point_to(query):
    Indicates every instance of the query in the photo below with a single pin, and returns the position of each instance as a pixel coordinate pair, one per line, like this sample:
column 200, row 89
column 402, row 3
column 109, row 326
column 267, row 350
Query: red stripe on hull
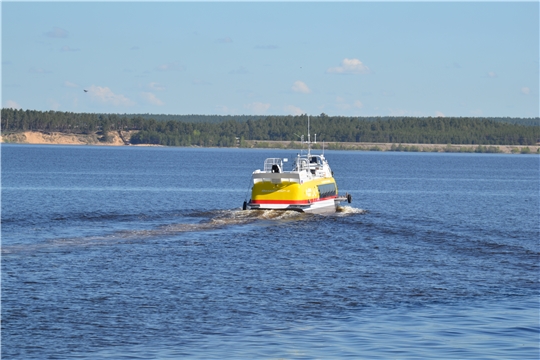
column 290, row 202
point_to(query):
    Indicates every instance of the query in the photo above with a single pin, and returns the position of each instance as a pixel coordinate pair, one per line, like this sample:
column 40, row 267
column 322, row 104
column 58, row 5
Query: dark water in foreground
column 145, row 253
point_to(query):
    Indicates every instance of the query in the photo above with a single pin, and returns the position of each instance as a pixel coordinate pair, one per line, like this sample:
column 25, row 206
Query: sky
column 423, row 59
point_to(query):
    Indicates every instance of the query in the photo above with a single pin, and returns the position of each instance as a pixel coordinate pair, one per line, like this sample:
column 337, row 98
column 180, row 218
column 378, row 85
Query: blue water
column 136, row 253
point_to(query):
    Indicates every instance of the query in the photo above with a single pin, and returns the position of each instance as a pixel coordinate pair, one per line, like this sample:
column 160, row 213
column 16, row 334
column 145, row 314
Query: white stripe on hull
column 319, row 207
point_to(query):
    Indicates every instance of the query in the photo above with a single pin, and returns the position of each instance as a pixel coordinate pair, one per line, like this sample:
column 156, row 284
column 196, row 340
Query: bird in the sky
column 85, row 90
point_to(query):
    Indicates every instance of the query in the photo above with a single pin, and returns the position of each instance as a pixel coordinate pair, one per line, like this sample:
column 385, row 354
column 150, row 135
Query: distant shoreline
column 56, row 138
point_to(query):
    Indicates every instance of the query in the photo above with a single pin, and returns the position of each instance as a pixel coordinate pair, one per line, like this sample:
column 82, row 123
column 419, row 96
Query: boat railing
column 270, row 162
column 301, row 164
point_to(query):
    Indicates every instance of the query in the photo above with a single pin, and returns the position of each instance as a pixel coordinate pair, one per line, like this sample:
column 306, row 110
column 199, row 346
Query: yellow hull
column 283, row 192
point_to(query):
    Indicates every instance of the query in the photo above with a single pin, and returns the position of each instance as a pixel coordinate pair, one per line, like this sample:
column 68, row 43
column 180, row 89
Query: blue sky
column 273, row 58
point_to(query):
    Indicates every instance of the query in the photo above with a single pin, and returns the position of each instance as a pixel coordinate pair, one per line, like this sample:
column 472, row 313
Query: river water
column 144, row 252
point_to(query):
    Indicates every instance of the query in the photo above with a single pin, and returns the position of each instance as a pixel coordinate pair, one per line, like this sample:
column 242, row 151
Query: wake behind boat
column 308, row 187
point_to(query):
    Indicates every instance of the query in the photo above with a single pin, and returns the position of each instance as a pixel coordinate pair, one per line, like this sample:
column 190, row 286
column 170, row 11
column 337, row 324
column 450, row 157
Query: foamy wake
column 228, row 217
column 349, row 210
column 215, row 220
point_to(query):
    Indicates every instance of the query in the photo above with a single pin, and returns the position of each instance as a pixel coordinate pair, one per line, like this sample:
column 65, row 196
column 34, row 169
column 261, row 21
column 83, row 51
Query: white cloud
column 57, row 32
column 106, row 96
column 492, row 74
column 10, row 104
column 350, row 66
column 151, row 99
column 439, row 114
column 156, row 86
column 293, row 110
column 525, row 90
column 70, row 84
column 174, row 66
column 300, row 87
column 258, row 107
column 358, row 104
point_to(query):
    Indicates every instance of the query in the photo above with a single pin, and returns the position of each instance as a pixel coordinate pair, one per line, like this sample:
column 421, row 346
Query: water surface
column 128, row 252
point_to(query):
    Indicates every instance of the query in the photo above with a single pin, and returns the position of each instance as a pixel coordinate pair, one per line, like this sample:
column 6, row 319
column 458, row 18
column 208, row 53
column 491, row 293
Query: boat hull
column 282, row 193
column 319, row 207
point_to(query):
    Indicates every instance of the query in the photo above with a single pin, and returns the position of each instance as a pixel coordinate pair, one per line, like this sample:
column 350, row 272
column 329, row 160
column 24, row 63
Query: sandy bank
column 55, row 138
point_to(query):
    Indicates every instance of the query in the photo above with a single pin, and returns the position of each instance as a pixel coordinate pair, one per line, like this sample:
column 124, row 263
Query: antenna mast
column 309, row 137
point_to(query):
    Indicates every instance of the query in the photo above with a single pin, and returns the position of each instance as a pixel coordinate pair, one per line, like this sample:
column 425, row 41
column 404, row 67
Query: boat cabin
column 312, row 166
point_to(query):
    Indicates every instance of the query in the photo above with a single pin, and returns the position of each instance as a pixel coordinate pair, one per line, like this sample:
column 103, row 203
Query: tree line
column 215, row 130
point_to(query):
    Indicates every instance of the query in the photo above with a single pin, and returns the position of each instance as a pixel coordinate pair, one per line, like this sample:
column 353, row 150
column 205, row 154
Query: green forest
column 226, row 131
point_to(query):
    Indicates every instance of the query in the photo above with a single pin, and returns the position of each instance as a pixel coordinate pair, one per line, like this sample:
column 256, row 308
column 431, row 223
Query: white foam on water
column 349, row 210
column 232, row 217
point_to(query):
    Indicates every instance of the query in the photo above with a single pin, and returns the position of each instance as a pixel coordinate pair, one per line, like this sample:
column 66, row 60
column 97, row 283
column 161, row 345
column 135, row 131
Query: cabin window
column 327, row 190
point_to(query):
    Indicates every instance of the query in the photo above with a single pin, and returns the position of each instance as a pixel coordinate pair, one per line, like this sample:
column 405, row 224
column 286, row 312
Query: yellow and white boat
column 308, row 187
